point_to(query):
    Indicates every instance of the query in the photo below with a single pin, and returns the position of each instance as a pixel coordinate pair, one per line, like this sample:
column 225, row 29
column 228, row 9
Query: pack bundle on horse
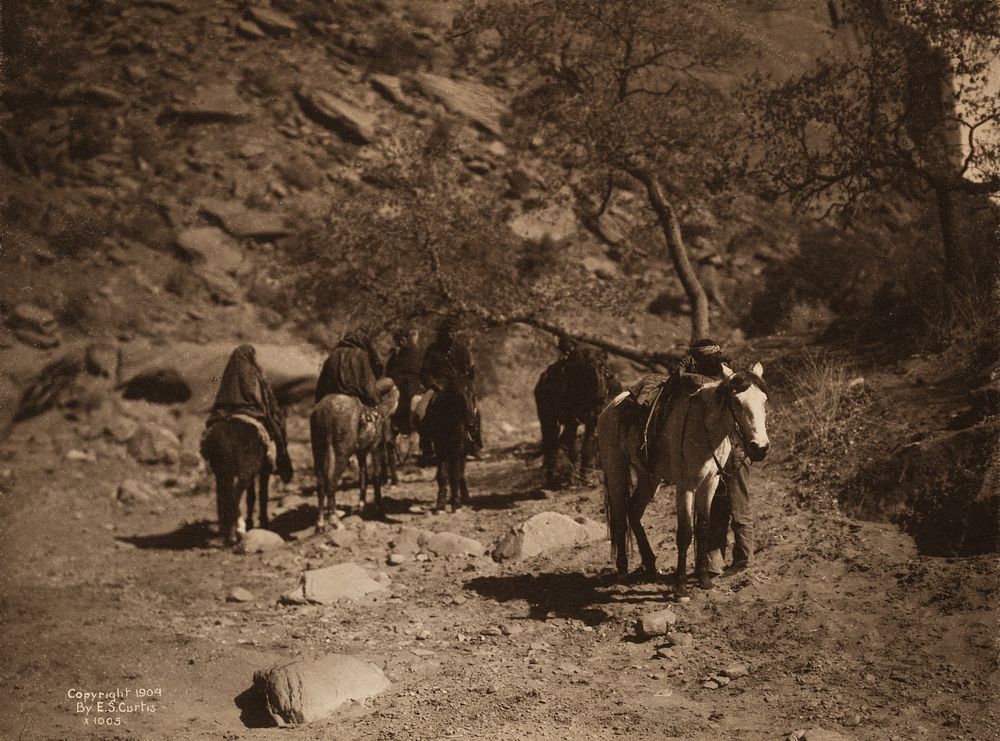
column 688, row 445
column 244, row 441
column 341, row 426
column 570, row 392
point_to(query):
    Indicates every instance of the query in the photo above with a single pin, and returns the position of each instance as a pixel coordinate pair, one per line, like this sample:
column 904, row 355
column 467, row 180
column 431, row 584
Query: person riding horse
column 244, row 390
column 732, row 504
column 351, row 369
column 448, row 365
column 403, row 367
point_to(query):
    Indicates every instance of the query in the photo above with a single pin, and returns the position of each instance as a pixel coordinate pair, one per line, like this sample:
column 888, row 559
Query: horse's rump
column 235, row 445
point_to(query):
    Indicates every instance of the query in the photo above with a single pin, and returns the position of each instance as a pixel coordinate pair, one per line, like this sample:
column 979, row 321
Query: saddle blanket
column 272, row 449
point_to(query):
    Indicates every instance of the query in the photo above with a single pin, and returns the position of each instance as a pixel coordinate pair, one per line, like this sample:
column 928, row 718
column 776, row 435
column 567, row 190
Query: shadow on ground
column 189, row 536
column 590, row 599
column 253, row 708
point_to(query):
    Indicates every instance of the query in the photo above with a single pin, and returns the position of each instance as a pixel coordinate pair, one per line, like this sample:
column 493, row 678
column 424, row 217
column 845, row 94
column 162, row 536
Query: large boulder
column 305, row 691
column 547, row 531
column 211, row 247
column 345, row 581
column 259, row 540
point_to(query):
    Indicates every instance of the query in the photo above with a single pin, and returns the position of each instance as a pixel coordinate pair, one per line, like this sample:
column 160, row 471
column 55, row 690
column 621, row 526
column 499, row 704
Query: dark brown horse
column 572, row 392
column 238, row 458
column 448, row 423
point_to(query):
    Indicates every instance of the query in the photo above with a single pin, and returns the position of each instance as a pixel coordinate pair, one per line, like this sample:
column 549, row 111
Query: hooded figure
column 349, row 370
column 244, row 390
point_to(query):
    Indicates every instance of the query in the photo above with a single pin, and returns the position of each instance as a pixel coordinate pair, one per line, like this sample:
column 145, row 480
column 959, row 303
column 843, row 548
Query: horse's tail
column 614, row 464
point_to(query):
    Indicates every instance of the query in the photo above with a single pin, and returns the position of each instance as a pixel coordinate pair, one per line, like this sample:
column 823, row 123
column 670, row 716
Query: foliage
column 623, row 86
column 911, row 111
column 420, row 246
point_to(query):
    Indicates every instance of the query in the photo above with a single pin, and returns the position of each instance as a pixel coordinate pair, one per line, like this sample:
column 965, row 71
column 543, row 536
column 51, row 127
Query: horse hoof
column 681, row 591
column 705, row 581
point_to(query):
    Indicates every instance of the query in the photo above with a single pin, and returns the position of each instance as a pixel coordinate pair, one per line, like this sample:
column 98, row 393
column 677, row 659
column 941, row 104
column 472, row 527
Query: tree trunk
column 677, row 250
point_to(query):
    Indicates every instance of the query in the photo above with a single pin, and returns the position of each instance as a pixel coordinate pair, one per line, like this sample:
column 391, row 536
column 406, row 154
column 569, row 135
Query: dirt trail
column 841, row 624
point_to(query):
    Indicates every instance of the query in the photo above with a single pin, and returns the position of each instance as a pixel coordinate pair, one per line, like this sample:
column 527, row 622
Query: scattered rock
column 407, row 541
column 131, row 491
column 249, row 30
column 389, row 87
column 239, row 594
column 99, row 95
column 79, row 456
column 218, row 102
column 347, row 120
column 259, row 540
column 158, row 385
column 471, row 100
column 493, row 630
column 544, row 532
column 397, row 559
column 451, row 544
column 121, row 429
column 154, row 444
column 656, row 623
column 735, row 671
column 210, row 246
column 306, row 691
column 679, row 640
column 34, row 319
column 819, row 734
column 343, row 538
column 243, row 222
column 721, row 680
column 346, row 581
column 272, row 21
column 711, row 684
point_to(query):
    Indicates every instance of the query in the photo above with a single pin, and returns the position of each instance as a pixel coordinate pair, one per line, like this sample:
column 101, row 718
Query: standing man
column 732, row 504
column 448, row 364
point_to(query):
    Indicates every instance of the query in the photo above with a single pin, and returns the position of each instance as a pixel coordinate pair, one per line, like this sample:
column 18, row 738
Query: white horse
column 689, row 448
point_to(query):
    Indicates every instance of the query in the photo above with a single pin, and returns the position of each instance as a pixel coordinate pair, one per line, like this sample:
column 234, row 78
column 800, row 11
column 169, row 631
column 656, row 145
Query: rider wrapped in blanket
column 731, row 504
column 448, row 364
column 354, row 369
column 245, row 390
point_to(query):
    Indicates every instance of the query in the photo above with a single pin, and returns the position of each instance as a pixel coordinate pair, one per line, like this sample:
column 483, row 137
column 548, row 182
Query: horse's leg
column 378, row 471
column 454, row 480
column 568, row 442
column 703, row 529
column 616, row 487
column 550, row 445
column 362, row 480
column 392, row 456
column 442, row 481
column 263, row 494
column 340, row 460
column 321, row 467
column 463, row 487
column 645, row 489
column 251, row 500
column 685, row 532
column 587, row 447
column 226, row 490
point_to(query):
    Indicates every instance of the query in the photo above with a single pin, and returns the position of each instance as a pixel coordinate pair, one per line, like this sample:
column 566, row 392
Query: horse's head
column 747, row 394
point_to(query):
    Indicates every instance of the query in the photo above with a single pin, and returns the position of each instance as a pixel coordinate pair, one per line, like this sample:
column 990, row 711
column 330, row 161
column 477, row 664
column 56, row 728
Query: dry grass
column 820, row 386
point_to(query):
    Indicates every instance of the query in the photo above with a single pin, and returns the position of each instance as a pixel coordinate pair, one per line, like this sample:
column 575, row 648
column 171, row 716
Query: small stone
column 271, row 20
column 459, row 599
column 680, row 640
column 259, row 540
column 422, row 635
column 710, row 685
column 416, row 509
column 80, row 456
column 131, row 491
column 851, row 721
column 511, row 629
column 735, row 671
column 343, row 538
column 721, row 680
column 397, row 559
column 349, row 121
column 239, row 594
column 493, row 630
column 422, row 557
column 664, row 653
column 249, row 30
column 656, row 623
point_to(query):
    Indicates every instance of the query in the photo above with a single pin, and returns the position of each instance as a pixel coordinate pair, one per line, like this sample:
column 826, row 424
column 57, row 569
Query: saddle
column 649, row 403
